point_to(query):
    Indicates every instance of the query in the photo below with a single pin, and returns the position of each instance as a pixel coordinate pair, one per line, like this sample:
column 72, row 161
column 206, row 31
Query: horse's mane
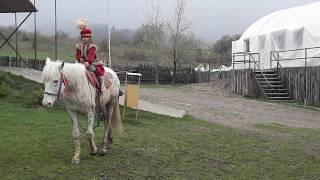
column 50, row 71
column 73, row 72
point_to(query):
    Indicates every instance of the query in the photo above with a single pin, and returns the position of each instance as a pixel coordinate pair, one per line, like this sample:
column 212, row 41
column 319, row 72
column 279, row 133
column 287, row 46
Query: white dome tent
column 294, row 28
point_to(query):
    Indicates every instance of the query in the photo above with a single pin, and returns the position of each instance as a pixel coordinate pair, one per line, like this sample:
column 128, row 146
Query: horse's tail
column 116, row 121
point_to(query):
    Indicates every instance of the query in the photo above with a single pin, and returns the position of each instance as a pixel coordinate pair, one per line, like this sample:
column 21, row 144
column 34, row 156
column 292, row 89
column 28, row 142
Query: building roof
column 306, row 16
column 13, row 6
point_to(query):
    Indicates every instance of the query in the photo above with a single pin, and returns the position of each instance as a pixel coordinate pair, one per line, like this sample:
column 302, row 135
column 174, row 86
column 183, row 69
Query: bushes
column 20, row 90
column 29, row 99
column 4, row 90
column 4, row 87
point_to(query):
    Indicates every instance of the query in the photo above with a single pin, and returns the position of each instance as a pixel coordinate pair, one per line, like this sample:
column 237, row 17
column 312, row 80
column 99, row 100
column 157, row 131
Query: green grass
column 66, row 50
column 36, row 143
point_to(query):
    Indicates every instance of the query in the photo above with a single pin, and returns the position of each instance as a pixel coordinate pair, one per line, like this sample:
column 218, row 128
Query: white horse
column 68, row 81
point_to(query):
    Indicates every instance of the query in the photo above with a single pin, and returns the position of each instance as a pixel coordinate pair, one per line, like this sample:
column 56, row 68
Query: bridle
column 59, row 94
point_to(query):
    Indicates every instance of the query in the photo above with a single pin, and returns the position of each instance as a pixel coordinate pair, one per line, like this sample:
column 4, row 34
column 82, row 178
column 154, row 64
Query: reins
column 58, row 95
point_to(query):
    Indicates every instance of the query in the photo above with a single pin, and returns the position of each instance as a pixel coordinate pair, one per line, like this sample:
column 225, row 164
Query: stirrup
column 120, row 93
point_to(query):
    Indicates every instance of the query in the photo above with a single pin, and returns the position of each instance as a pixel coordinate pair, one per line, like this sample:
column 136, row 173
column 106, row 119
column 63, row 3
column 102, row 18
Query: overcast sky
column 211, row 18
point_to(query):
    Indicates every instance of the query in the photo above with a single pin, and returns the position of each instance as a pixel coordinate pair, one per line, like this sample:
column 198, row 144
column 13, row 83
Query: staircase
column 272, row 86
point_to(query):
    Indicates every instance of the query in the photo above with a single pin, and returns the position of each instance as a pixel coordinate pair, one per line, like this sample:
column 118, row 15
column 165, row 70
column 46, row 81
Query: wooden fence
column 305, row 89
column 185, row 75
column 244, row 83
column 306, row 84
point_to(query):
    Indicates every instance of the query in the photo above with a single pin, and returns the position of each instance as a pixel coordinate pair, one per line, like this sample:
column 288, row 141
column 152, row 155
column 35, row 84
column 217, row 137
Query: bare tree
column 155, row 29
column 178, row 27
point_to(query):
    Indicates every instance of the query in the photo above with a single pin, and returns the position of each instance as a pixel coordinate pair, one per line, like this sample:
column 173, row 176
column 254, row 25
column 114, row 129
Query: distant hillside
column 128, row 47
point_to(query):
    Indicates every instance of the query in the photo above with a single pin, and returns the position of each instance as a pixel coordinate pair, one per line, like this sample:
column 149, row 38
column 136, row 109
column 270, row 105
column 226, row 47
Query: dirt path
column 214, row 102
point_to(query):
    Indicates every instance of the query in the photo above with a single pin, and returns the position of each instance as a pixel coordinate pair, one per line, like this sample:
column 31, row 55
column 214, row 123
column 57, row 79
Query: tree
column 189, row 47
column 178, row 27
column 154, row 30
column 224, row 45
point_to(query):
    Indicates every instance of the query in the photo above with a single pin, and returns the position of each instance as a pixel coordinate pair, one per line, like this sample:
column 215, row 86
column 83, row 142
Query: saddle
column 95, row 82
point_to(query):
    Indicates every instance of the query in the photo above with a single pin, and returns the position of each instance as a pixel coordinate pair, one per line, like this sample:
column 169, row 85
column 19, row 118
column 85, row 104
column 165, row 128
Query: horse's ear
column 62, row 64
column 48, row 60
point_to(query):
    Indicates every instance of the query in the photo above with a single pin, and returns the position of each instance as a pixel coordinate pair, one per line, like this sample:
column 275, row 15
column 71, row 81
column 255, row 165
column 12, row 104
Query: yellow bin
column 132, row 93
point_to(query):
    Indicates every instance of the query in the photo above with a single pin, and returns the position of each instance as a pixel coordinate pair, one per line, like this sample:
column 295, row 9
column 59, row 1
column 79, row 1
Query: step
column 259, row 74
column 278, row 94
column 280, row 98
column 272, row 86
column 269, row 78
column 271, row 96
column 275, row 90
column 266, row 71
column 270, row 82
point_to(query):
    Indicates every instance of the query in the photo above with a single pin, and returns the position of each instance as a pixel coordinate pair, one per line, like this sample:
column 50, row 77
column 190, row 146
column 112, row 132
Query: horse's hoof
column 94, row 152
column 102, row 152
column 75, row 161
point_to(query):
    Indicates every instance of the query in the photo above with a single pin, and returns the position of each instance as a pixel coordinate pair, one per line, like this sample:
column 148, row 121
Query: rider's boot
column 102, row 85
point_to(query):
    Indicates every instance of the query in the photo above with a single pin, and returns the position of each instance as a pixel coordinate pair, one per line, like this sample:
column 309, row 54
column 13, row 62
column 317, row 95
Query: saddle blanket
column 95, row 82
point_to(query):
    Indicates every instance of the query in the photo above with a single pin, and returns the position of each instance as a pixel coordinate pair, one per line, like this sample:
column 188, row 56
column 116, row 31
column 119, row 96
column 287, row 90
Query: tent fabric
column 12, row 6
column 287, row 29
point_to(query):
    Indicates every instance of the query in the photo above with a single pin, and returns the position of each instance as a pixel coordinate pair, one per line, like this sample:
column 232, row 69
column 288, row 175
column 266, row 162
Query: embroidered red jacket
column 88, row 54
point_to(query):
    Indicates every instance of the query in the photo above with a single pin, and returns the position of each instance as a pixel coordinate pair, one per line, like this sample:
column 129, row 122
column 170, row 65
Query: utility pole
column 55, row 34
column 35, row 32
column 109, row 35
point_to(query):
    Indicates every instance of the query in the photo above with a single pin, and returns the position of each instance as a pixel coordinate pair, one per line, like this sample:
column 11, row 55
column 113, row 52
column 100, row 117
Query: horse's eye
column 55, row 81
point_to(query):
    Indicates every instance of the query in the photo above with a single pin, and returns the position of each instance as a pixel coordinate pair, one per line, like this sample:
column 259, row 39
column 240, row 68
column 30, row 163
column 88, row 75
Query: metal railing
column 277, row 56
column 256, row 66
column 246, row 58
column 280, row 70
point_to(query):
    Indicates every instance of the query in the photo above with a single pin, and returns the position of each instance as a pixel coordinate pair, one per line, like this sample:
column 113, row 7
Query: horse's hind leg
column 107, row 130
column 76, row 136
column 110, row 138
column 90, row 133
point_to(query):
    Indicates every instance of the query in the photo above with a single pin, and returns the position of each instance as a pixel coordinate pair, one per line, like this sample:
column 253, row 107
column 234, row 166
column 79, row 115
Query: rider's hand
column 86, row 64
column 81, row 60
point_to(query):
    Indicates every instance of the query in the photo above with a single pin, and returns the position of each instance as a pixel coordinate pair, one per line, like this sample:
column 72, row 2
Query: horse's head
column 53, row 82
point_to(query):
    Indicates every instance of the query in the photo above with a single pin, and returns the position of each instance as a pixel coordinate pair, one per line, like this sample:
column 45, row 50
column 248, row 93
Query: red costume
column 86, row 53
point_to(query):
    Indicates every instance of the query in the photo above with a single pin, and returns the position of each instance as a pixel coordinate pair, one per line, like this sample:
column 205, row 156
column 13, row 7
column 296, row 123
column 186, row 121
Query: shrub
column 4, row 89
column 30, row 98
column 19, row 89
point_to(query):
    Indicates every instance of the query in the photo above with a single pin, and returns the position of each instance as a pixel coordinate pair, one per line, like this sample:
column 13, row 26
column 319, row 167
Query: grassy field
column 66, row 49
column 36, row 143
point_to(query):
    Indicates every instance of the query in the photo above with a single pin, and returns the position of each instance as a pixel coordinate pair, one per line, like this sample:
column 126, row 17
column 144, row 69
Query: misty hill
column 100, row 32
column 128, row 47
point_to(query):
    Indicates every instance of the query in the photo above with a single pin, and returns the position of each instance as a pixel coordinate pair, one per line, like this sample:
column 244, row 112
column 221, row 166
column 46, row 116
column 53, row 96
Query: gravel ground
column 214, row 102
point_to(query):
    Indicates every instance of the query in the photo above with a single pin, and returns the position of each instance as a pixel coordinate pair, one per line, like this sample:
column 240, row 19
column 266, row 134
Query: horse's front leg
column 90, row 133
column 76, row 136
column 107, row 130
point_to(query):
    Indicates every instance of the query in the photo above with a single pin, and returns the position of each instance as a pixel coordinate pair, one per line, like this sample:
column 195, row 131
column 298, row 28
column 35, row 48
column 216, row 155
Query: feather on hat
column 82, row 24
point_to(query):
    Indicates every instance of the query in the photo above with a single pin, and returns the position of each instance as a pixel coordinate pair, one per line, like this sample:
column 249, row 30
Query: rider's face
column 85, row 40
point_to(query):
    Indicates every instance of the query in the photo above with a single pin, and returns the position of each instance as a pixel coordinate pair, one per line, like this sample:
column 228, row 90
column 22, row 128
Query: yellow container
column 132, row 95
